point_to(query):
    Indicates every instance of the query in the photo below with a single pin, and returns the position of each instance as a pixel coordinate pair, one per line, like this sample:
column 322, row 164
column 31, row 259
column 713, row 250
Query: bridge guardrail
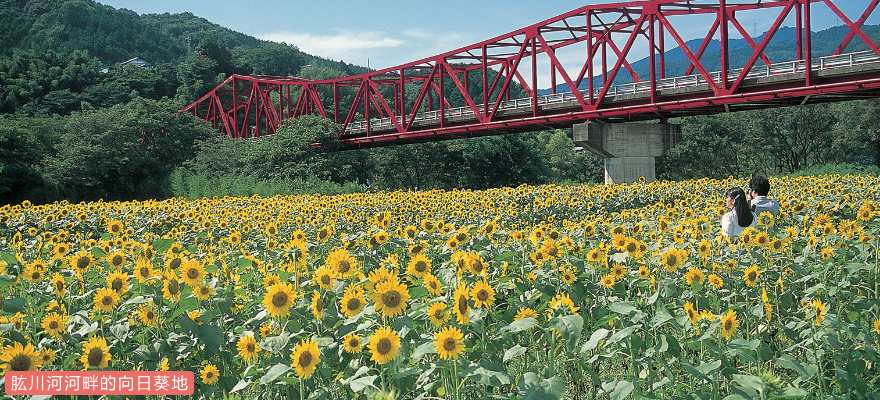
column 677, row 82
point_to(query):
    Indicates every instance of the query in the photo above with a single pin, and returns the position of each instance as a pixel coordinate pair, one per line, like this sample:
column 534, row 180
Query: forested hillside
column 75, row 125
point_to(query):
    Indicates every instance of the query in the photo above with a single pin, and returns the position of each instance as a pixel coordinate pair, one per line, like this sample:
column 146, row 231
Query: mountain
column 114, row 35
column 781, row 48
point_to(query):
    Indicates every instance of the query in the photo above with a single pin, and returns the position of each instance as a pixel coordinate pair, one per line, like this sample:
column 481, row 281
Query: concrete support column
column 629, row 150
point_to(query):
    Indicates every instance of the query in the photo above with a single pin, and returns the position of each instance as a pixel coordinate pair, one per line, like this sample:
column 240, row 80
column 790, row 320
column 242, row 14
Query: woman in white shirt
column 740, row 215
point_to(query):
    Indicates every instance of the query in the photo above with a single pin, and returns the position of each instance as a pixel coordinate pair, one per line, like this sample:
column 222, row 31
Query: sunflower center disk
column 449, row 344
column 305, row 359
column 391, row 298
column 384, row 346
column 279, row 300
column 21, row 362
column 344, row 266
column 96, row 355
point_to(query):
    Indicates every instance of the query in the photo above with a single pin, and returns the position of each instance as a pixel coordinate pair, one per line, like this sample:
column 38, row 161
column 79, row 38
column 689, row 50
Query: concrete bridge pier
column 629, row 149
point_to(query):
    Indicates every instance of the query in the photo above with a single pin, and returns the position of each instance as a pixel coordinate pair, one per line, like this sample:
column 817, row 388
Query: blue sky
column 387, row 33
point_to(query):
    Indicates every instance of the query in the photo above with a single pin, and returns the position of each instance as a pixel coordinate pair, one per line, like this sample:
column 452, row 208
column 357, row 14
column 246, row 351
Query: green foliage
column 775, row 141
column 123, row 152
column 837, row 169
column 184, row 183
column 278, row 59
column 289, row 153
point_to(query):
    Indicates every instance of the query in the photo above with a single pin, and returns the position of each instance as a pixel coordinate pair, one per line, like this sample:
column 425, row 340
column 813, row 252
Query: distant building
column 137, row 62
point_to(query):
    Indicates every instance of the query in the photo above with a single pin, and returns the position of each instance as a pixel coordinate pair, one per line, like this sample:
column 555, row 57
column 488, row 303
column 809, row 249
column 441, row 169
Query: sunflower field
column 534, row 292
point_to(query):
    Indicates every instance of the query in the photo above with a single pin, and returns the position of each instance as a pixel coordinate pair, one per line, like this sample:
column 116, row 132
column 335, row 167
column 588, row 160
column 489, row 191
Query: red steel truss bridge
column 579, row 55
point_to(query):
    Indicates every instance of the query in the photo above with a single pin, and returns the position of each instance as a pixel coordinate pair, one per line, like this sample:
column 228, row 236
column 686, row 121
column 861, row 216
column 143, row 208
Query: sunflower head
column 384, row 344
column 96, row 353
column 306, row 356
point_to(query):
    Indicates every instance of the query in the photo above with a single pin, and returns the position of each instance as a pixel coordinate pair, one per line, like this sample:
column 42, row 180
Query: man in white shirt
column 759, row 188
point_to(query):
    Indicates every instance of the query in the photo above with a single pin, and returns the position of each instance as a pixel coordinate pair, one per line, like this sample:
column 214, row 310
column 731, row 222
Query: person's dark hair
column 760, row 184
column 741, row 207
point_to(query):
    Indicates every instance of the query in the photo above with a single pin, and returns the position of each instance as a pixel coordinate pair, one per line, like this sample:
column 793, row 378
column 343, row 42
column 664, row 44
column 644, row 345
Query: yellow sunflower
column 437, row 313
column 608, row 280
column 729, row 324
column 819, row 309
column 434, row 286
column 568, row 276
column 716, row 281
column 751, row 276
column 352, row 343
column 210, row 374
column 342, row 263
column 47, row 356
column 306, row 356
column 147, row 315
column 379, row 239
column 34, row 272
column 324, row 233
column 877, row 326
column 143, row 270
column 173, row 262
column 390, row 297
column 171, row 288
column 462, row 309
column 474, row 262
column 353, row 301
column 278, row 299
column 54, row 324
column 561, row 303
column 106, row 300
column 525, row 313
column 325, row 277
column 419, row 266
column 203, row 291
column 116, row 259
column 449, row 343
column 383, row 345
column 619, row 271
column 695, row 275
column 18, row 357
column 317, row 305
column 95, row 353
column 671, row 259
column 118, row 281
column 59, row 285
column 115, row 227
column 691, row 312
column 482, row 294
column 418, row 248
column 192, row 273
column 248, row 348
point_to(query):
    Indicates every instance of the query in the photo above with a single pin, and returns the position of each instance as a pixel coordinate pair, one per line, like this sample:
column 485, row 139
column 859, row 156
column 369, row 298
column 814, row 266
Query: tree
column 280, row 59
column 568, row 165
column 24, row 144
column 289, row 154
column 124, row 152
column 712, row 146
column 791, row 138
column 857, row 135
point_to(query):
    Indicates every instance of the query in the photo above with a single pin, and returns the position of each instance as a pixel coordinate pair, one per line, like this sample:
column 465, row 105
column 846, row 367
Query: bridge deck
column 669, row 89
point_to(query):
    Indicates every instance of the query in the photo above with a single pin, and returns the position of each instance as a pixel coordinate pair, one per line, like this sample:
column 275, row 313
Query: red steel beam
column 242, row 102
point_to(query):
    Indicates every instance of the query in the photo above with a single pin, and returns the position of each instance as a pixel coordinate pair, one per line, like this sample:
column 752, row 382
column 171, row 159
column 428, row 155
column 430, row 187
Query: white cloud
column 342, row 45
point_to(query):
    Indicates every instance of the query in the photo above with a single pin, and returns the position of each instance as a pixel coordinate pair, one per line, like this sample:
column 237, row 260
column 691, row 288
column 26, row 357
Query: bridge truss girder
column 604, row 37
